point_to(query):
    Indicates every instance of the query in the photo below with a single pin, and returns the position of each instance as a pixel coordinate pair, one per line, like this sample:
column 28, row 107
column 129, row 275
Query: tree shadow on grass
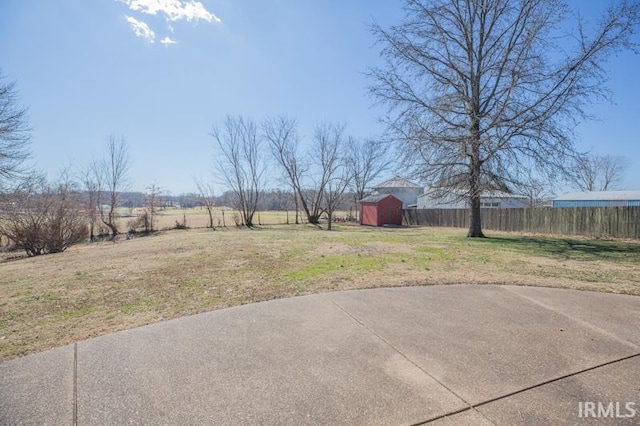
column 568, row 248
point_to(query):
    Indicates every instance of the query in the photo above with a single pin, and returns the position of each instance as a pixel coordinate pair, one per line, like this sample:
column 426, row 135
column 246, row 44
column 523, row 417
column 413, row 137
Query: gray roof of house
column 484, row 194
column 600, row 196
column 397, row 182
column 500, row 194
column 375, row 198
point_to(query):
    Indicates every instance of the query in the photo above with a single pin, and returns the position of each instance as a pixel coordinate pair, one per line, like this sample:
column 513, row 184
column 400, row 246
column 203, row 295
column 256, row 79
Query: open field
column 95, row 289
column 198, row 217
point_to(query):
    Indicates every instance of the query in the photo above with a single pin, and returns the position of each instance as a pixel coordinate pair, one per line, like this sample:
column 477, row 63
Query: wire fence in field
column 222, row 217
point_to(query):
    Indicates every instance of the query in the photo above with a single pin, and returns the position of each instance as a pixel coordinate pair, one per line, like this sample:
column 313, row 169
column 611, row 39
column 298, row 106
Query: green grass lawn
column 94, row 289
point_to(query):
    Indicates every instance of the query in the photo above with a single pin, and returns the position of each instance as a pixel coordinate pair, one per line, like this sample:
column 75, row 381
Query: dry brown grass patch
column 95, row 289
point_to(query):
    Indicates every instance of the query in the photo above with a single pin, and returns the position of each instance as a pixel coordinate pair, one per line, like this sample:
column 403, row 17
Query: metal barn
column 380, row 209
column 402, row 189
column 437, row 199
column 599, row 199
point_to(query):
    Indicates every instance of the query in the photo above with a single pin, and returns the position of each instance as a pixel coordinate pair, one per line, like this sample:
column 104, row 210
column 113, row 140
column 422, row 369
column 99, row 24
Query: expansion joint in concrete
column 537, row 385
column 75, row 384
column 386, row 342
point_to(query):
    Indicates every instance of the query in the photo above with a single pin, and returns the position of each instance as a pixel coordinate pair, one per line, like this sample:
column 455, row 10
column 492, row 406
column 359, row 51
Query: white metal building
column 599, row 199
column 401, row 188
column 435, row 199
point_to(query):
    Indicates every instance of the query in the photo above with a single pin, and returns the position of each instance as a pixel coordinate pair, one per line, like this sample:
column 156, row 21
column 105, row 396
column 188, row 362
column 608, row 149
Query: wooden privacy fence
column 613, row 222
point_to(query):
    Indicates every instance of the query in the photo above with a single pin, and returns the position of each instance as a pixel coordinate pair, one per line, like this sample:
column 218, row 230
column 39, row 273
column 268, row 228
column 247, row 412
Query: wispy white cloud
column 173, row 10
column 141, row 29
column 167, row 41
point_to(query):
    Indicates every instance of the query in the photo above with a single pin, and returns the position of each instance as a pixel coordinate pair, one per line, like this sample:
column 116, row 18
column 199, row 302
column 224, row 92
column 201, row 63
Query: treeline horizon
column 270, row 199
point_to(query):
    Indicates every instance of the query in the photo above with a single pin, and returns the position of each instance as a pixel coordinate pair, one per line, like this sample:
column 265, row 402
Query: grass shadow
column 569, row 248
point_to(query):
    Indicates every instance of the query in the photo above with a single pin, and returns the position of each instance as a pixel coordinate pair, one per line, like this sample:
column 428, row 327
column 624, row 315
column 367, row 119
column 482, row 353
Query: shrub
column 41, row 220
column 182, row 225
column 139, row 222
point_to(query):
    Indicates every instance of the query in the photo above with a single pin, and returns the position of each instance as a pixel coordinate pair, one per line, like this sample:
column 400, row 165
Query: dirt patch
column 370, row 248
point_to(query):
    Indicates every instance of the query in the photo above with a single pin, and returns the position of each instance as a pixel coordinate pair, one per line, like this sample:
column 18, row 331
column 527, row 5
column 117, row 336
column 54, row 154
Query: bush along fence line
column 601, row 222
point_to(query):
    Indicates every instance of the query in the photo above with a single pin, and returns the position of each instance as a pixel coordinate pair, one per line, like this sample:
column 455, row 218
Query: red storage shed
column 380, row 209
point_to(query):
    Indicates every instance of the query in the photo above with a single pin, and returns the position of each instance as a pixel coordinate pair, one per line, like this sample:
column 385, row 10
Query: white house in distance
column 599, row 199
column 434, row 199
column 402, row 189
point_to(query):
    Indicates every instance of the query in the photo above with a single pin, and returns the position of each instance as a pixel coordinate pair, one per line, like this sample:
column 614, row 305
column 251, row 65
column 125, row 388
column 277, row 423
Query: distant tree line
column 268, row 199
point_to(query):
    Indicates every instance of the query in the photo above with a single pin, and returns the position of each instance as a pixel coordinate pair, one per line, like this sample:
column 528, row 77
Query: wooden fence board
column 602, row 222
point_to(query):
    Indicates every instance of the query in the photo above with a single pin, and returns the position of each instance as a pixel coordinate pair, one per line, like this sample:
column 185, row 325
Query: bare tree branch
column 153, row 205
column 207, row 196
column 90, row 178
column 14, row 133
column 318, row 179
column 331, row 167
column 240, row 163
column 480, row 94
column 281, row 134
column 111, row 177
column 366, row 160
column 598, row 172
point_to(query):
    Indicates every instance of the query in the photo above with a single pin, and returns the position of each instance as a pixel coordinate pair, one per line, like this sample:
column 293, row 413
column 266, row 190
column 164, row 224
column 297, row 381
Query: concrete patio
column 440, row 354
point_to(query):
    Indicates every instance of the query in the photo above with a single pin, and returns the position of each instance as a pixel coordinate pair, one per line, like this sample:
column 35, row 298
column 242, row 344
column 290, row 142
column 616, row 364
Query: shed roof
column 375, row 198
column 396, row 182
column 600, row 196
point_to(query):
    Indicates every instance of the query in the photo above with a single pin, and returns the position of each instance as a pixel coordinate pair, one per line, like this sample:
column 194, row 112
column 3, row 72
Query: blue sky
column 87, row 69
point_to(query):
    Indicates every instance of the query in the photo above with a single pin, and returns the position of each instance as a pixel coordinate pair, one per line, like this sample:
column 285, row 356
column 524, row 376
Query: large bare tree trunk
column 475, row 175
column 475, row 221
column 114, row 229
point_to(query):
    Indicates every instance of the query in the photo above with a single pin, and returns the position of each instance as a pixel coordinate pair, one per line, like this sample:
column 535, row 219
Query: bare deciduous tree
column 479, row 90
column 598, row 172
column 207, row 197
column 90, row 179
column 282, row 135
column 111, row 178
column 330, row 167
column 14, row 133
column 153, row 205
column 319, row 179
column 366, row 160
column 241, row 163
column 539, row 192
